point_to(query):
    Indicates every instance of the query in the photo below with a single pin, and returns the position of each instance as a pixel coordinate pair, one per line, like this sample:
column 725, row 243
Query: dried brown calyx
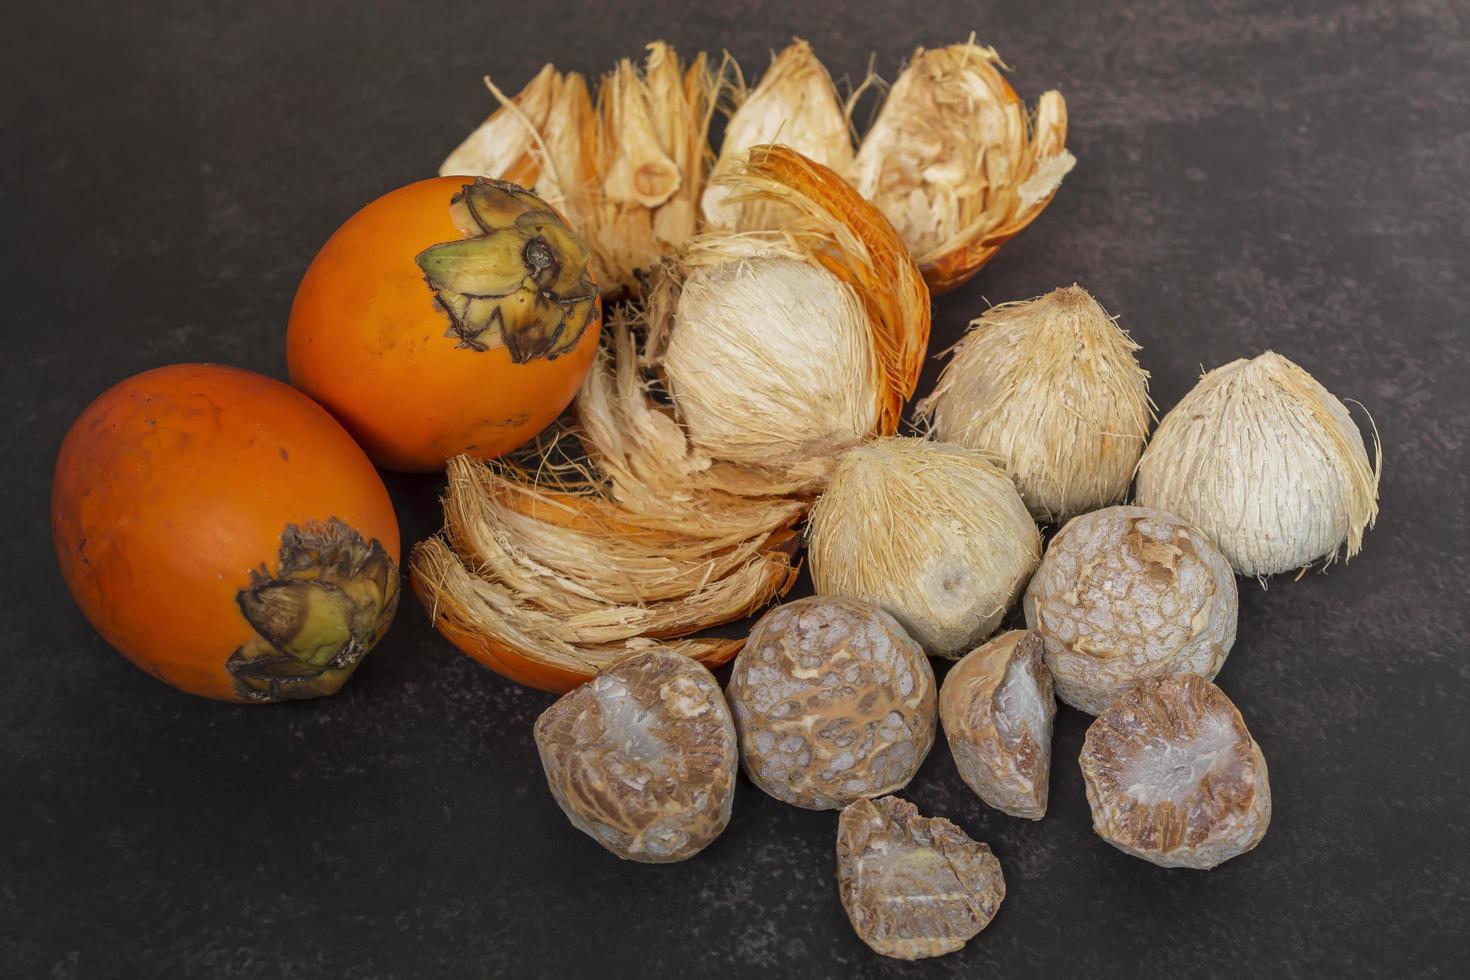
column 957, row 163
column 642, row 757
column 1125, row 593
column 1174, row 777
column 833, row 701
column 519, row 279
column 330, row 600
column 997, row 707
column 913, row 886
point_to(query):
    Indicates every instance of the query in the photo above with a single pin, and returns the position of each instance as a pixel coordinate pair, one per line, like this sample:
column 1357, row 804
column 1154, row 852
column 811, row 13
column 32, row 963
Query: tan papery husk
column 549, row 571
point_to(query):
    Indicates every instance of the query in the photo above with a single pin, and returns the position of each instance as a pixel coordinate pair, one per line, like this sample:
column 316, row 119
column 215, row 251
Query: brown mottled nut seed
column 996, row 706
column 642, row 757
column 1174, row 777
column 1126, row 593
column 833, row 702
column 913, row 886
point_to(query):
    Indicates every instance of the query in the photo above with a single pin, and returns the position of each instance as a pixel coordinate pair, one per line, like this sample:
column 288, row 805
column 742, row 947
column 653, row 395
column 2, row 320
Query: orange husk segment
column 549, row 571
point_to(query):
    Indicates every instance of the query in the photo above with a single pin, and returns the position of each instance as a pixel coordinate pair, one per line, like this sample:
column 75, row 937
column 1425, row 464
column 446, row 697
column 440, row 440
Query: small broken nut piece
column 997, row 707
column 833, row 702
column 1174, row 777
column 642, row 757
column 913, row 886
column 1126, row 593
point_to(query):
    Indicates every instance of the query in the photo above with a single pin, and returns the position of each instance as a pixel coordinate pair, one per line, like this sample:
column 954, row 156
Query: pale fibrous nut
column 833, row 702
column 1126, row 593
column 996, row 706
column 913, row 887
column 932, row 532
column 1174, row 777
column 1268, row 463
column 1051, row 387
column 642, row 757
column 769, row 362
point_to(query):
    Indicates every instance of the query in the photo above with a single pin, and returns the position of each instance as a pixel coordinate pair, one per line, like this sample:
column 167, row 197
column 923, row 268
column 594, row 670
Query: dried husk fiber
column 954, row 158
column 931, row 532
column 1051, row 387
column 1266, row 462
column 549, row 571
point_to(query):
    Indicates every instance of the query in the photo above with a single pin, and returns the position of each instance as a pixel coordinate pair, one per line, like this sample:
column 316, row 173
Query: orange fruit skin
column 366, row 341
column 173, row 485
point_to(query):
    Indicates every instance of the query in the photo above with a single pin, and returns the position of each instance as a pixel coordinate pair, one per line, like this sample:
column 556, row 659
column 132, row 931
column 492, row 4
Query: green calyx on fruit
column 518, row 279
column 330, row 601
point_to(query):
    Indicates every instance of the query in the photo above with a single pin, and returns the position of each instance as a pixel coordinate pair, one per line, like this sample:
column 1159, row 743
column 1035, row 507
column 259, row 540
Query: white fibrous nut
column 1127, row 593
column 795, row 104
column 997, row 707
column 1174, row 777
column 1266, row 462
column 1052, row 388
column 932, row 532
column 833, row 702
column 770, row 362
column 913, row 886
column 642, row 757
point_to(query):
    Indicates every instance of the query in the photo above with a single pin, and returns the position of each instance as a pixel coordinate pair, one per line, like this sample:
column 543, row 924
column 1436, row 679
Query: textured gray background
column 1252, row 174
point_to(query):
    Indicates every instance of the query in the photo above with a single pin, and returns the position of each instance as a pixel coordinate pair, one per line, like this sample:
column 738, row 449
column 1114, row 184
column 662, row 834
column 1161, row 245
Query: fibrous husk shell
column 957, row 163
column 622, row 532
column 997, row 707
column 1266, row 462
column 627, row 171
column 912, row 886
column 1174, row 777
column 794, row 104
column 1127, row 593
column 932, row 532
column 833, row 703
column 1051, row 387
column 642, row 757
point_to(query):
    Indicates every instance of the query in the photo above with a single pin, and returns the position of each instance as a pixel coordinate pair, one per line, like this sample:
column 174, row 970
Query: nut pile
column 761, row 385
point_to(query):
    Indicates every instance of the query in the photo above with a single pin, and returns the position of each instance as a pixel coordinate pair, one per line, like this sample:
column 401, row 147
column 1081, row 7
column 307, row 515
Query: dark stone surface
column 1252, row 174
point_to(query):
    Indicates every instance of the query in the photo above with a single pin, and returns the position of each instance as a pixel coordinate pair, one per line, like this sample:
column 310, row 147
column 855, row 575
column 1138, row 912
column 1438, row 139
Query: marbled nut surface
column 833, row 702
column 996, row 706
column 913, row 886
column 643, row 757
column 1173, row 775
column 1126, row 593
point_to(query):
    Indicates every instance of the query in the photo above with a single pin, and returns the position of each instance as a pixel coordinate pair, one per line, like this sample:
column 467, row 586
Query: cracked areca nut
column 642, row 757
column 997, row 707
column 913, row 886
column 1126, row 593
column 1174, row 777
column 833, row 702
